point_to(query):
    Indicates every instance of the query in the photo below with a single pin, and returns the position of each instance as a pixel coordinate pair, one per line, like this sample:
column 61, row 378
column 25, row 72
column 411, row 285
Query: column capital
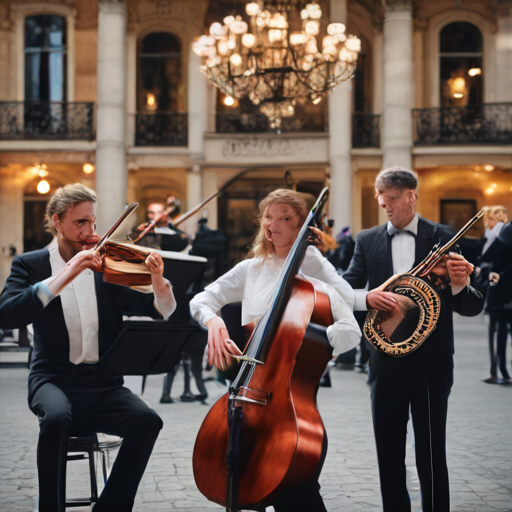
column 398, row 5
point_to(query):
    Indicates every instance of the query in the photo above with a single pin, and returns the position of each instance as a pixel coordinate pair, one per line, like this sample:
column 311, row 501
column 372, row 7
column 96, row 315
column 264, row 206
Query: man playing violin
column 175, row 240
column 419, row 382
column 76, row 318
column 252, row 282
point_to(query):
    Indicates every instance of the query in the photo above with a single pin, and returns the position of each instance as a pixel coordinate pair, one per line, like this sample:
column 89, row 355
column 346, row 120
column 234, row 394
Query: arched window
column 45, row 57
column 159, row 74
column 461, row 47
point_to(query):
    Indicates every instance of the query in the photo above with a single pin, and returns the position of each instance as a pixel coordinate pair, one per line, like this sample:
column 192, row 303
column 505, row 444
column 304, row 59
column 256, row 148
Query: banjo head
column 401, row 331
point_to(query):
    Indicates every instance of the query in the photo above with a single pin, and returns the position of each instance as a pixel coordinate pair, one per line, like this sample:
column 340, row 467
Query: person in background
column 176, row 240
column 498, row 257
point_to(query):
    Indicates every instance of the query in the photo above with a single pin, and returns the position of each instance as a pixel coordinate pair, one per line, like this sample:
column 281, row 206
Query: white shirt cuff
column 167, row 304
column 43, row 292
column 360, row 302
column 456, row 289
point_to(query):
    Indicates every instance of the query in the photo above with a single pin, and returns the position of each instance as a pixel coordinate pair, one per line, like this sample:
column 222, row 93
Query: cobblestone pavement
column 479, row 441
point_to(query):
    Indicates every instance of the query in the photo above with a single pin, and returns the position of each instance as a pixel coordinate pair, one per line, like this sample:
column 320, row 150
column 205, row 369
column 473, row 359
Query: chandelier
column 275, row 56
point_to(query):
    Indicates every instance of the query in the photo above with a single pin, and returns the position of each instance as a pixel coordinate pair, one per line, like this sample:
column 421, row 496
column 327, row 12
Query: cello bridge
column 252, row 396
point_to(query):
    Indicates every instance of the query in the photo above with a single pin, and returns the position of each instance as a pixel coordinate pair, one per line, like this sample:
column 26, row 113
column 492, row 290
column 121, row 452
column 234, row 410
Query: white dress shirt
column 253, row 283
column 491, row 235
column 403, row 254
column 80, row 309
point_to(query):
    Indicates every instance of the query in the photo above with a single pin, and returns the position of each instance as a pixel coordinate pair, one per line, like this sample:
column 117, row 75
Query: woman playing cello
column 253, row 282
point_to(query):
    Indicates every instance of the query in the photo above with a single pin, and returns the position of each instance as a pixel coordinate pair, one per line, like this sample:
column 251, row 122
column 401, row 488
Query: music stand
column 148, row 348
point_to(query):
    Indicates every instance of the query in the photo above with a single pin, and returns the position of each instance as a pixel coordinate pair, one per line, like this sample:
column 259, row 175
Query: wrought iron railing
column 46, row 120
column 489, row 123
column 161, row 129
column 365, row 131
column 255, row 122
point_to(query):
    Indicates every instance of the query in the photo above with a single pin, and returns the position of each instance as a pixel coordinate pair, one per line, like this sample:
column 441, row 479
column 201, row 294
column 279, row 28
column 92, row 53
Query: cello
column 266, row 433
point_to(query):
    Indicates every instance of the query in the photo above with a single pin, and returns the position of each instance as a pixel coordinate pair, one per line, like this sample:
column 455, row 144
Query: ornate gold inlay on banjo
column 402, row 330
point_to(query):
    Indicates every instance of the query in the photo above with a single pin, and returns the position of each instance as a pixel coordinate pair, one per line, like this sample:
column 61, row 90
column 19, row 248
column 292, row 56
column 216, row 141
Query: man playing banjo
column 419, row 381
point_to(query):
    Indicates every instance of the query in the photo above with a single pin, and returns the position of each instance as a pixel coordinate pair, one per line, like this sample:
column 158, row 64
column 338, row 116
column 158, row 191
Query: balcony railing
column 365, row 131
column 161, row 129
column 46, row 120
column 489, row 123
column 255, row 122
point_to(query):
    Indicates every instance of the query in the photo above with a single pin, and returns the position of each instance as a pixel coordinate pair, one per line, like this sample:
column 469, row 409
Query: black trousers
column 401, row 383
column 77, row 411
column 502, row 319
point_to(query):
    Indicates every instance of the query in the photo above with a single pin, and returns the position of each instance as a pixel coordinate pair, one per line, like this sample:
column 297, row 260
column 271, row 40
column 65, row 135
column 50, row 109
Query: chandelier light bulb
column 353, row 44
column 489, row 168
column 474, row 71
column 217, row 30
column 235, row 59
column 249, row 40
column 328, row 41
column 238, row 27
column 231, row 44
column 252, row 9
column 334, row 29
column 297, row 38
column 275, row 35
column 222, row 48
column 228, row 20
column 43, row 187
column 304, row 14
column 312, row 28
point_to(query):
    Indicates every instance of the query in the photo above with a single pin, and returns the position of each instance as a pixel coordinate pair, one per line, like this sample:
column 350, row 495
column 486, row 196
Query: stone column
column 197, row 106
column 398, row 84
column 504, row 56
column 111, row 113
column 340, row 139
column 11, row 219
column 194, row 197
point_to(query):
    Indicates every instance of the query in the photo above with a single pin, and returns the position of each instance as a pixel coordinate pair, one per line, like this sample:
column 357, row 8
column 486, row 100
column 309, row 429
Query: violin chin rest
column 317, row 332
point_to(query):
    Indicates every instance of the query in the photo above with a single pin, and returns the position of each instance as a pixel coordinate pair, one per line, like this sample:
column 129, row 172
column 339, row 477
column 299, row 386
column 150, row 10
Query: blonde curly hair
column 261, row 247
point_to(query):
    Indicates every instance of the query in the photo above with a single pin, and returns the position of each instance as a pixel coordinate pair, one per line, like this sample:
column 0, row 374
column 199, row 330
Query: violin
column 266, row 433
column 149, row 227
column 123, row 263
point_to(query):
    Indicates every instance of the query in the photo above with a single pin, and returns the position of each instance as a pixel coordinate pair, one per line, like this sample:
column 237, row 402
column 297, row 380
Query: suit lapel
column 383, row 258
column 425, row 240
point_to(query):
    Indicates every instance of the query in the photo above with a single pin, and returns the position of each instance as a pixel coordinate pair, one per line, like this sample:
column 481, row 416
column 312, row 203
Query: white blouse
column 253, row 283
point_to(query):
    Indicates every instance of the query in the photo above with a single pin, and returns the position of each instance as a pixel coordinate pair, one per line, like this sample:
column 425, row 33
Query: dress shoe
column 492, row 380
column 506, row 382
column 166, row 399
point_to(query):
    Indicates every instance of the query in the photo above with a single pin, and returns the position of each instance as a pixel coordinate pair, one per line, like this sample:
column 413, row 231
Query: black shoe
column 506, row 382
column 345, row 366
column 166, row 399
column 325, row 381
column 201, row 398
column 492, row 380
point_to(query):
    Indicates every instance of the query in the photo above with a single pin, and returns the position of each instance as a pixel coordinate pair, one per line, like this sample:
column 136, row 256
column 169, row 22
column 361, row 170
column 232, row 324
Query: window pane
column 160, row 73
column 461, row 37
column 461, row 81
column 45, row 58
column 160, row 42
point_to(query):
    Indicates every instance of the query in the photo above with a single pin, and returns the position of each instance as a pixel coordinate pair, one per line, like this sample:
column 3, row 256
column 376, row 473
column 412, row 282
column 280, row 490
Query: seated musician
column 76, row 318
column 252, row 282
column 176, row 241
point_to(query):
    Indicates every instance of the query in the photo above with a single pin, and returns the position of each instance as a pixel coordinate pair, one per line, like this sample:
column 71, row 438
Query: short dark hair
column 396, row 177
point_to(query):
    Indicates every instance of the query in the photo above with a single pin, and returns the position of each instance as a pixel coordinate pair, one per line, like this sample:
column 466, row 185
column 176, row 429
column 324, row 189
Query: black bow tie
column 392, row 231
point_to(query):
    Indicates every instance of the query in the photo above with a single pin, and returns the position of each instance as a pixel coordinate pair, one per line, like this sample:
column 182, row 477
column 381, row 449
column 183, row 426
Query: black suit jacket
column 20, row 306
column 372, row 263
